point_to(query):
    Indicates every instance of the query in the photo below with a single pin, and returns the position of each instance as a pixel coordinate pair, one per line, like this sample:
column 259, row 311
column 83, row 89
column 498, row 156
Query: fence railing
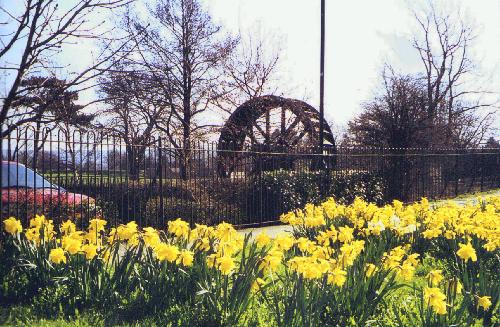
column 80, row 175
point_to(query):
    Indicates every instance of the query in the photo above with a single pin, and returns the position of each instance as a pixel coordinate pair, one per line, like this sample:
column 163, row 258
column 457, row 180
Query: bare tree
column 52, row 106
column 339, row 131
column 71, row 121
column 439, row 107
column 396, row 118
column 182, row 50
column 251, row 71
column 444, row 42
column 135, row 105
column 469, row 130
column 34, row 33
column 491, row 143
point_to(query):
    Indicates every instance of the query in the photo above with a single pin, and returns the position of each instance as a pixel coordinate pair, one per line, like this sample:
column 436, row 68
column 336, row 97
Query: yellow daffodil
column 33, row 234
column 230, row 248
column 12, row 225
column 304, row 244
column 93, row 237
column 450, row 235
column 258, row 284
column 202, row 244
column 126, row 232
column 484, row 302
column 90, row 251
column 225, row 232
column 313, row 216
column 167, row 252
column 37, row 221
column 436, row 299
column 68, row 227
column 106, row 255
column 57, row 256
column 272, row 261
column 201, row 231
column 431, row 233
column 337, row 277
column 492, row 245
column 309, row 267
column 413, row 259
column 72, row 245
column 211, row 260
column 151, row 237
column 393, row 258
column 185, row 258
column 97, row 225
column 179, row 228
column 434, row 277
column 262, row 239
column 225, row 264
column 283, row 242
column 406, row 271
column 467, row 252
column 290, row 218
column 345, row 234
column 370, row 269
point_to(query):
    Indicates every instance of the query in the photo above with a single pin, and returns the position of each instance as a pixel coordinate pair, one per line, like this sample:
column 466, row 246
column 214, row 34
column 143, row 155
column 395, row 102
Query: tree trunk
column 185, row 157
column 135, row 158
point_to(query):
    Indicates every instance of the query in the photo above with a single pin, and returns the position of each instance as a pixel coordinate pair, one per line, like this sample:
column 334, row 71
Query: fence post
column 1, row 178
column 481, row 165
column 261, row 195
column 456, row 171
column 160, row 181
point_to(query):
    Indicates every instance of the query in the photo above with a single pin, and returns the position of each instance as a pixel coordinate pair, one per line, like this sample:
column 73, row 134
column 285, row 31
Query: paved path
column 463, row 199
column 275, row 230
column 269, row 230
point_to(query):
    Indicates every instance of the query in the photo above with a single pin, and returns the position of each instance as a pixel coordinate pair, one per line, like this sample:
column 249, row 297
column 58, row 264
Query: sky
column 361, row 35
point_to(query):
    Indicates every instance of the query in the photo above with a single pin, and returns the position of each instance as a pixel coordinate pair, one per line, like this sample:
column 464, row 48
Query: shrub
column 281, row 191
column 367, row 186
column 122, row 202
column 195, row 212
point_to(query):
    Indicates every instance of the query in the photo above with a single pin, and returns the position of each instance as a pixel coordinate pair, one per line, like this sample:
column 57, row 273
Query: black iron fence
column 81, row 175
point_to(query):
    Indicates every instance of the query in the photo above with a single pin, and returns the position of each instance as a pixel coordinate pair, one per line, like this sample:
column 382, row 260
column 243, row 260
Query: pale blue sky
column 360, row 36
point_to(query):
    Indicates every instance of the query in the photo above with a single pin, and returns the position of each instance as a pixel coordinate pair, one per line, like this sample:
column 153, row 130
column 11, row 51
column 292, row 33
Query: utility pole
column 322, row 79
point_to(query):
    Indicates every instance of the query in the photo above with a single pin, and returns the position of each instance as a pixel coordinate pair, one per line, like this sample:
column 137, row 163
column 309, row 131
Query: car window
column 18, row 175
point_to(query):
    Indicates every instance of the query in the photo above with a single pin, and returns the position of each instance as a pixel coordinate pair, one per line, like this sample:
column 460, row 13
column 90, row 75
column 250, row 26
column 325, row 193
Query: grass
column 22, row 316
column 175, row 316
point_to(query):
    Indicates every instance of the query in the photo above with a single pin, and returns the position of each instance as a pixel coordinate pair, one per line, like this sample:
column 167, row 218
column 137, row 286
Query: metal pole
column 322, row 78
column 160, row 183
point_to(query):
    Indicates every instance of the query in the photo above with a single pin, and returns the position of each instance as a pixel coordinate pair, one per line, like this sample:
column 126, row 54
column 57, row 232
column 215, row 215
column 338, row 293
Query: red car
column 22, row 187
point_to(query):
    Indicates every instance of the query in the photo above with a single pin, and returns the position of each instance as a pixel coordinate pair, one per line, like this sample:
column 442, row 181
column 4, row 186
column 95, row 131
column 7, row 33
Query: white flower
column 379, row 225
column 395, row 221
column 411, row 228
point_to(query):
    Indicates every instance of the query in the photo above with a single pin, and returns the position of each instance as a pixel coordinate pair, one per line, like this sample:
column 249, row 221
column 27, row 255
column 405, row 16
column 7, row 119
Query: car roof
column 11, row 162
